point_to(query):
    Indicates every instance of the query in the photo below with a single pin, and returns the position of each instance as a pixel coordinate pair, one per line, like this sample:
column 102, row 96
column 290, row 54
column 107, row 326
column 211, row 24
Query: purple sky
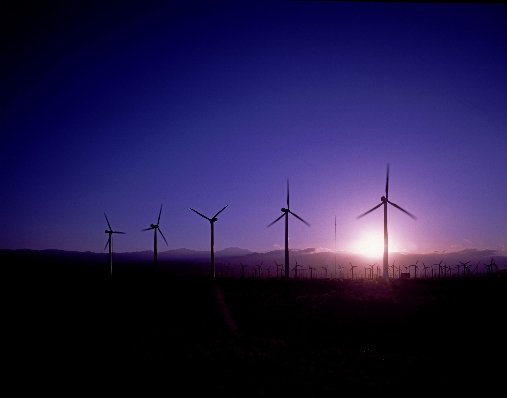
column 119, row 107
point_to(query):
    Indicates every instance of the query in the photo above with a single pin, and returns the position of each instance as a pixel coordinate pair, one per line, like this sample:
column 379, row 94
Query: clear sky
column 118, row 107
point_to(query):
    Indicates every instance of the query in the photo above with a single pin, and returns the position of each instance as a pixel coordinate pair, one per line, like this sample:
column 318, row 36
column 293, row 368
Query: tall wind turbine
column 334, row 249
column 212, row 222
column 155, row 227
column 110, row 243
column 285, row 214
column 384, row 201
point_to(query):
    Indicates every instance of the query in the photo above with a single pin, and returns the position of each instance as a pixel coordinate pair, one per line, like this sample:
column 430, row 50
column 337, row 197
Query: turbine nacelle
column 284, row 210
column 383, row 199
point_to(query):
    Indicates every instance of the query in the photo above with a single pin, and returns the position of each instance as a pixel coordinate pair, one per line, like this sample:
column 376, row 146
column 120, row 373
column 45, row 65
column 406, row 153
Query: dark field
column 180, row 336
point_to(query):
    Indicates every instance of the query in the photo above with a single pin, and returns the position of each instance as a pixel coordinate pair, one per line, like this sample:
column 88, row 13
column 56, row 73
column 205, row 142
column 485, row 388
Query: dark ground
column 183, row 336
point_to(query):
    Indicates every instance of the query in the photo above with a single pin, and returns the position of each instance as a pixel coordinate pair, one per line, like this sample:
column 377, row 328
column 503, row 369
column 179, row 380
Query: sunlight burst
column 371, row 244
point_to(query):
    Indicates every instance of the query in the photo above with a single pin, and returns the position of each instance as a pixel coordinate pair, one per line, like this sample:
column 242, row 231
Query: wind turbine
column 352, row 269
column 243, row 270
column 466, row 269
column 110, row 243
column 277, row 265
column 285, row 214
column 296, row 269
column 425, row 267
column 259, row 268
column 384, row 201
column 415, row 268
column 439, row 267
column 155, row 227
column 311, row 271
column 212, row 222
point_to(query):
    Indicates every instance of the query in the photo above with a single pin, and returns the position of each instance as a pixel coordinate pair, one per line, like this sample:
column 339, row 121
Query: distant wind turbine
column 384, row 201
column 243, row 270
column 296, row 269
column 425, row 267
column 466, row 269
column 285, row 214
column 110, row 243
column 352, row 269
column 156, row 227
column 212, row 222
column 277, row 265
column 439, row 268
column 415, row 268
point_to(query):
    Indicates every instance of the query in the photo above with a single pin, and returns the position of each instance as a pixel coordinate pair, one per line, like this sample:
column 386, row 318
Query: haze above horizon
column 119, row 107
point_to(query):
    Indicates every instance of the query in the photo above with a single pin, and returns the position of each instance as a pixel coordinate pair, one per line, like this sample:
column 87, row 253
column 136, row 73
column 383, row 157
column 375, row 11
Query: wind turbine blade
column 159, row 230
column 403, row 210
column 288, row 193
column 116, row 232
column 369, row 211
column 295, row 215
column 387, row 182
column 202, row 215
column 107, row 243
column 220, row 212
column 159, row 213
column 146, row 229
column 276, row 220
column 109, row 225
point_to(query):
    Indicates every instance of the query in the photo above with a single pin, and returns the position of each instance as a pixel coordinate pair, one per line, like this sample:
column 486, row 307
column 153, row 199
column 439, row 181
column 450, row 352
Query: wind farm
column 250, row 308
column 114, row 109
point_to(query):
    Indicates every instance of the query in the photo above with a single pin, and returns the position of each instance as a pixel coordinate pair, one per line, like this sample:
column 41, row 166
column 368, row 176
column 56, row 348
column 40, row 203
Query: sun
column 370, row 244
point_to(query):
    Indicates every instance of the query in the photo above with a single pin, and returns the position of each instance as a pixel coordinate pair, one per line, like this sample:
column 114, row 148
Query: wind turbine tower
column 110, row 242
column 384, row 200
column 212, row 222
column 285, row 214
column 334, row 248
column 156, row 227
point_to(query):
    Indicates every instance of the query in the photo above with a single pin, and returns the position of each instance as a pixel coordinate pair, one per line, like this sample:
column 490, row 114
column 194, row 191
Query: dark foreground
column 183, row 336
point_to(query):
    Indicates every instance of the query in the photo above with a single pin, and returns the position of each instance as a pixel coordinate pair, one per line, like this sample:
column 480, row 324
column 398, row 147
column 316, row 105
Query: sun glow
column 370, row 245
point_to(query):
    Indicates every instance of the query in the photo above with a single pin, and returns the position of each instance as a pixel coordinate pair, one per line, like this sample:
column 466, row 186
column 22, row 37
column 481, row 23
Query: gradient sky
column 119, row 107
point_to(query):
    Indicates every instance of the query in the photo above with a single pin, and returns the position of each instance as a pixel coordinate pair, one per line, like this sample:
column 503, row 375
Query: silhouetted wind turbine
column 384, row 201
column 415, row 268
column 286, row 212
column 296, row 269
column 155, row 227
column 466, row 269
column 259, row 268
column 243, row 270
column 110, row 243
column 277, row 265
column 425, row 267
column 352, row 269
column 439, row 267
column 212, row 222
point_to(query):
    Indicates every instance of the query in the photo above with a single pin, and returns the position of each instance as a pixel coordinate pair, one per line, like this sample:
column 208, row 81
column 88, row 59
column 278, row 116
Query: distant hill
column 35, row 261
